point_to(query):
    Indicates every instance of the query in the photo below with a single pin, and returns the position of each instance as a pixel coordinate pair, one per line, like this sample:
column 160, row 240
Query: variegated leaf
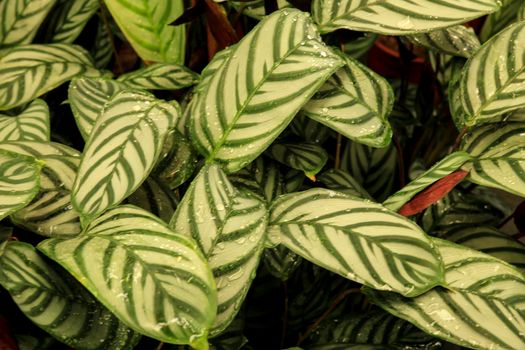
column 309, row 158
column 340, row 180
column 160, row 76
column 68, row 18
column 102, row 50
column 499, row 20
column 457, row 40
column 38, row 149
column 32, row 124
column 255, row 9
column 154, row 196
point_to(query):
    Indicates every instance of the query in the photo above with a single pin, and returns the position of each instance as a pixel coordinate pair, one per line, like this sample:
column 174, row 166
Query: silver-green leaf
column 160, row 76
column 32, row 124
column 68, row 19
column 309, row 158
column 457, row 40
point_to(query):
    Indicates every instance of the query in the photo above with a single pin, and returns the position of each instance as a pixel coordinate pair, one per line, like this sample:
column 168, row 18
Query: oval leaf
column 59, row 304
column 310, row 158
column 30, row 125
column 122, row 149
column 398, row 17
column 253, row 95
column 340, row 180
column 457, row 40
column 69, row 18
column 160, row 76
column 357, row 239
column 153, row 279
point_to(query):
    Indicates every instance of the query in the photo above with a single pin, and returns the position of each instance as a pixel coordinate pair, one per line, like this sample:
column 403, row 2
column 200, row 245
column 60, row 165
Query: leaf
column 121, row 151
column 5, row 236
column 255, row 9
column 355, row 102
column 341, row 181
column 50, row 213
column 87, row 97
column 397, row 18
column 444, row 167
column 481, row 309
column 19, row 181
column 499, row 156
column 102, row 50
column 281, row 261
column 309, row 129
column 38, row 148
column 160, row 76
column 490, row 241
column 151, row 278
column 229, row 227
column 68, row 19
column 145, row 25
column 20, row 19
column 154, row 196
column 265, row 88
column 30, row 125
column 488, row 92
column 356, row 239
column 457, row 40
column 310, row 158
column 268, row 177
column 29, row 71
column 59, row 304
column 499, row 20
column 359, row 47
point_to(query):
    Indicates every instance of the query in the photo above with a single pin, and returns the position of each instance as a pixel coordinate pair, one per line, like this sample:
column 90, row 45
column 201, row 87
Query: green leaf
column 459, row 116
column 444, row 167
column 499, row 156
column 252, row 94
column 87, row 97
column 38, row 149
column 5, row 235
column 19, row 181
column 102, row 51
column 160, row 76
column 268, row 177
column 356, row 102
column 490, row 241
column 151, row 278
column 359, row 47
column 59, row 304
column 457, row 40
column 309, row 129
column 310, row 158
column 29, row 71
column 145, row 25
column 20, row 19
column 482, row 307
column 50, row 213
column 499, row 20
column 341, row 181
column 68, row 19
column 357, row 239
column 347, row 346
column 397, row 18
column 229, row 227
column 281, row 261
column 255, row 9
column 32, row 124
column 491, row 82
column 121, row 151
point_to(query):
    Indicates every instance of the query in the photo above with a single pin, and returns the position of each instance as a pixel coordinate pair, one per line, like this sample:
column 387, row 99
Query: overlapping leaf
column 255, row 9
column 482, row 307
column 356, row 102
column 309, row 129
column 154, row 196
column 441, row 169
column 123, row 148
column 153, row 279
column 30, row 125
column 19, row 181
column 68, row 19
column 102, row 50
column 28, row 71
column 457, row 40
column 399, row 17
column 253, row 93
column 37, row 148
column 160, row 76
column 341, row 181
column 309, row 158
column 59, row 304
column 145, row 25
column 492, row 80
column 50, row 213
column 357, row 239
column 19, row 20
column 497, row 21
column 499, row 156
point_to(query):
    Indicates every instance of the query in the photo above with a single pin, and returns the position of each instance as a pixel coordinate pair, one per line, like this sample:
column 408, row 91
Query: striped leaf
column 234, row 128
column 356, row 102
column 19, row 181
column 50, row 212
column 60, row 305
column 459, row 115
column 38, row 149
column 145, row 25
column 87, row 97
column 5, row 236
column 482, row 307
column 444, row 167
column 309, row 129
column 357, row 239
column 340, row 180
column 30, row 125
column 492, row 80
column 359, row 47
column 124, row 144
column 281, row 261
column 310, row 158
column 397, row 17
column 68, row 18
column 457, row 41
column 499, row 20
column 151, row 278
column 102, row 50
column 490, row 241
column 19, row 20
column 499, row 156
column 160, row 76
column 268, row 177
column 229, row 228
column 255, row 9
column 374, row 168
column 28, row 71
